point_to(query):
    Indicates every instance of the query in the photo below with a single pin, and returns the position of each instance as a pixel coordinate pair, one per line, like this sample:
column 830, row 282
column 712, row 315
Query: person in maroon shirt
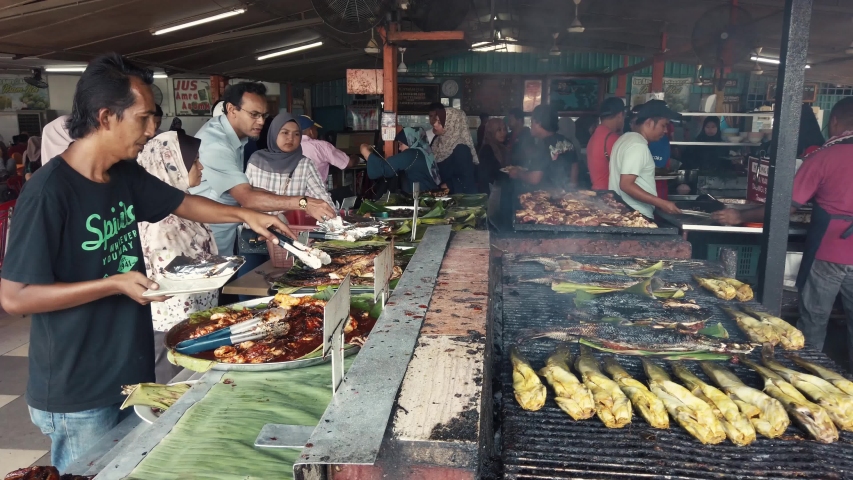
column 598, row 150
column 827, row 266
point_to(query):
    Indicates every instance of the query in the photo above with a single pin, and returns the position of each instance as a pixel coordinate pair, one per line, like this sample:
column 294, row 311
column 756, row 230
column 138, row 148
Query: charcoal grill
column 548, row 444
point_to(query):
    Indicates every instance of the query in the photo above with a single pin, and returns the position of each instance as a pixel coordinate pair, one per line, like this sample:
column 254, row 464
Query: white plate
column 147, row 414
column 180, row 287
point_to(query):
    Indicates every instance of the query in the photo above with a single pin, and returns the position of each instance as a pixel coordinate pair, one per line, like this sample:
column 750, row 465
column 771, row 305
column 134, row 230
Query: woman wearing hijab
column 173, row 158
column 811, row 138
column 32, row 157
column 493, row 154
column 414, row 163
column 705, row 157
column 454, row 150
column 177, row 126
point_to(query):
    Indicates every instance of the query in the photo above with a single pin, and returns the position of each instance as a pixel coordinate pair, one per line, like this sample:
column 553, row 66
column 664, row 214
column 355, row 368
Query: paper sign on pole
column 383, row 268
column 335, row 319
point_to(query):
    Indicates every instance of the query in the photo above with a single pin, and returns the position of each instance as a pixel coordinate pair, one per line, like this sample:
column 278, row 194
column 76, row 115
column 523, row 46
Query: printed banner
column 16, row 94
column 676, row 91
column 756, row 188
column 192, row 96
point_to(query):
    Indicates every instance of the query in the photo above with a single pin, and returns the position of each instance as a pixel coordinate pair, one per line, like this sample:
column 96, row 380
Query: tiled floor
column 21, row 443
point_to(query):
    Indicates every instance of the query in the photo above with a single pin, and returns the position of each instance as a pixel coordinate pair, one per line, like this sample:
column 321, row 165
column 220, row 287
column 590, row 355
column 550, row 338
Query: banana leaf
column 698, row 355
column 370, row 207
column 188, row 362
column 437, row 211
column 470, row 200
column 717, row 330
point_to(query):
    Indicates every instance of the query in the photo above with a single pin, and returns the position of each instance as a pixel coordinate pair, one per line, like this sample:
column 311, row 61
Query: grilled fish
column 572, row 396
column 719, row 288
column 645, row 402
column 812, row 418
column 736, row 425
column 789, row 336
column 756, row 330
column 528, row 389
column 638, row 338
column 690, row 412
column 840, row 382
column 636, row 308
column 765, row 413
column 837, row 404
column 611, row 405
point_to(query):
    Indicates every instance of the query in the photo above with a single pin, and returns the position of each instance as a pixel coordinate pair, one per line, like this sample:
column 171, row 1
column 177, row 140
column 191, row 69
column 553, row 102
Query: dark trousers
column 817, row 296
column 459, row 175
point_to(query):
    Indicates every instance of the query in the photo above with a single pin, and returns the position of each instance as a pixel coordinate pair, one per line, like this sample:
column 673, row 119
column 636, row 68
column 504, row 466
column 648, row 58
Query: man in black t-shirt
column 74, row 259
column 553, row 163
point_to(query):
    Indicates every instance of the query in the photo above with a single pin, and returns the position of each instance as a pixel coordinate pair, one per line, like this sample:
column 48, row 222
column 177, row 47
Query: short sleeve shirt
column 553, row 156
column 825, row 178
column 631, row 156
column 221, row 154
column 661, row 151
column 323, row 154
column 67, row 229
column 597, row 156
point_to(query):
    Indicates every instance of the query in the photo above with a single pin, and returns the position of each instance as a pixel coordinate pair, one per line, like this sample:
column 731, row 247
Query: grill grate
column 548, row 444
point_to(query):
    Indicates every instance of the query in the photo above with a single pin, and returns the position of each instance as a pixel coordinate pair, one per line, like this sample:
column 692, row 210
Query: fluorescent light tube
column 290, row 50
column 774, row 61
column 65, row 69
column 200, row 21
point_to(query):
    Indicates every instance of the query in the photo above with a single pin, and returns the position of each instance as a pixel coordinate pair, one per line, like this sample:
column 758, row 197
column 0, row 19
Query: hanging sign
column 192, row 96
column 676, row 91
column 758, row 174
column 809, row 92
column 16, row 94
column 415, row 98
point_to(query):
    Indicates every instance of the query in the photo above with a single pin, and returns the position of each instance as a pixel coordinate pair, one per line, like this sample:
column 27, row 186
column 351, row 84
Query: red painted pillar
column 389, row 87
column 658, row 68
column 622, row 80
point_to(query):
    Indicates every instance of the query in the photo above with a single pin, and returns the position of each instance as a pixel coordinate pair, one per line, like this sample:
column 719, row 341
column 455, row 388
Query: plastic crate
column 747, row 260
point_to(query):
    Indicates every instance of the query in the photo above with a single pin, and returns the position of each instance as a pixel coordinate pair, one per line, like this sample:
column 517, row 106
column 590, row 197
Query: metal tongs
column 312, row 257
column 255, row 328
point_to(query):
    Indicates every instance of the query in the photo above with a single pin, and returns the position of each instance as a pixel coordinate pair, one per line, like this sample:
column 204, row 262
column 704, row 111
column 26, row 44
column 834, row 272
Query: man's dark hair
column 545, row 116
column 104, row 84
column 158, row 111
column 484, row 116
column 234, row 93
column 516, row 113
column 435, row 106
column 842, row 112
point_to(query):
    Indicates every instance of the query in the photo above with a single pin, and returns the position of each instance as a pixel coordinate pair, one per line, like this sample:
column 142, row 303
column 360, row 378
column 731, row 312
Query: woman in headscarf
column 173, row 158
column 454, row 150
column 493, row 154
column 32, row 157
column 177, row 126
column 810, row 138
column 705, row 157
column 414, row 163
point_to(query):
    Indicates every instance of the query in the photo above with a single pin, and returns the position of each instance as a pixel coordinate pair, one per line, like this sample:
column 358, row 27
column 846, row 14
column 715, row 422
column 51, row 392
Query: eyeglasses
column 254, row 115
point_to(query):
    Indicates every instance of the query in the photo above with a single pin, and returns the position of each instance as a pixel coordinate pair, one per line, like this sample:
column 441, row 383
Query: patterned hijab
column 455, row 133
column 162, row 158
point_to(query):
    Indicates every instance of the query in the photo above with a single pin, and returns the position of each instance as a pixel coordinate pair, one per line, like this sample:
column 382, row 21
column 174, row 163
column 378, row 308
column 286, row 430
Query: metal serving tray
column 664, row 228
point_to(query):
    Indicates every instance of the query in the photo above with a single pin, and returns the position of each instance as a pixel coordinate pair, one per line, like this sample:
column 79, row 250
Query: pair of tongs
column 312, row 257
column 255, row 328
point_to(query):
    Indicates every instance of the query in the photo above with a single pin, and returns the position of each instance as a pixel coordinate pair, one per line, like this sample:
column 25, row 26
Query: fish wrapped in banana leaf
column 719, row 288
column 834, row 378
column 635, row 268
column 756, row 330
column 611, row 405
column 644, row 401
column 571, row 395
column 736, row 425
column 789, row 336
column 528, row 389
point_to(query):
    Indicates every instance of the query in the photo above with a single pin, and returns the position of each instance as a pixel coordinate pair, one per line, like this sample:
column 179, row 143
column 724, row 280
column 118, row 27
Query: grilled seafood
column 611, row 405
column 719, row 288
column 645, row 402
column 765, row 413
column 690, row 412
column 837, row 404
column 571, row 395
column 639, row 268
column 578, row 209
column 356, row 262
column 528, row 389
column 837, row 380
column 812, row 418
column 789, row 336
column 736, row 425
column 638, row 338
column 757, row 331
column 743, row 292
column 689, row 305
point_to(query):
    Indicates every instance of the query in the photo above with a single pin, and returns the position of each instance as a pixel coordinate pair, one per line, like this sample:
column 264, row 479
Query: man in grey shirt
column 223, row 178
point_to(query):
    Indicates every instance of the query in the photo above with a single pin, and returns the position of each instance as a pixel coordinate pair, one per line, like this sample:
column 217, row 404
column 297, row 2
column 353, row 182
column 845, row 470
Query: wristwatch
column 303, row 203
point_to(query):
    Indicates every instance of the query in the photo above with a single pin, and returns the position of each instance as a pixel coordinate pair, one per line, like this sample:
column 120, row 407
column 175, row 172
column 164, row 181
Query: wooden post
column 389, row 70
column 217, row 87
column 290, row 97
column 622, row 80
column 658, row 68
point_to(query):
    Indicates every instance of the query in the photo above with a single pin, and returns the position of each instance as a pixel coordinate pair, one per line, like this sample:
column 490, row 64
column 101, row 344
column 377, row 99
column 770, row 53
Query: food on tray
column 571, row 395
column 43, row 473
column 204, row 266
column 644, row 401
column 153, row 395
column 690, row 412
column 736, row 425
column 812, row 418
column 837, row 404
column 789, row 336
column 611, row 405
column 529, row 391
column 356, row 262
column 757, row 331
column 765, row 413
column 631, row 340
column 583, row 208
column 837, row 380
column 638, row 268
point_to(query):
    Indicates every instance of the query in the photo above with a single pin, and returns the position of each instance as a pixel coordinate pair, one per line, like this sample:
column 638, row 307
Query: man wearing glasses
column 223, row 178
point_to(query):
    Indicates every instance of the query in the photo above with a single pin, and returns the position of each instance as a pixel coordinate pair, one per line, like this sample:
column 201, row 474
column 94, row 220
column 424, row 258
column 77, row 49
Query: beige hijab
column 455, row 133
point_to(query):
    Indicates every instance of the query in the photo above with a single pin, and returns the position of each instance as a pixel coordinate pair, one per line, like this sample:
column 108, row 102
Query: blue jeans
column 73, row 434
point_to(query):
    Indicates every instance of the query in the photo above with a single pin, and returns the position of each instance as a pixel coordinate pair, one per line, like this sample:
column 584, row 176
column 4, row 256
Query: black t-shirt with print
column 67, row 228
column 554, row 157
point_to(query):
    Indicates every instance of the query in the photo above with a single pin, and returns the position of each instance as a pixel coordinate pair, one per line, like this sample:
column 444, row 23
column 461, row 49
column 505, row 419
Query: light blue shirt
column 221, row 154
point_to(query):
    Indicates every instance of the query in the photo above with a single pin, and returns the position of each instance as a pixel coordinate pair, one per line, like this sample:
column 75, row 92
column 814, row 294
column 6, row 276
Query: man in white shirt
column 632, row 168
column 322, row 152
